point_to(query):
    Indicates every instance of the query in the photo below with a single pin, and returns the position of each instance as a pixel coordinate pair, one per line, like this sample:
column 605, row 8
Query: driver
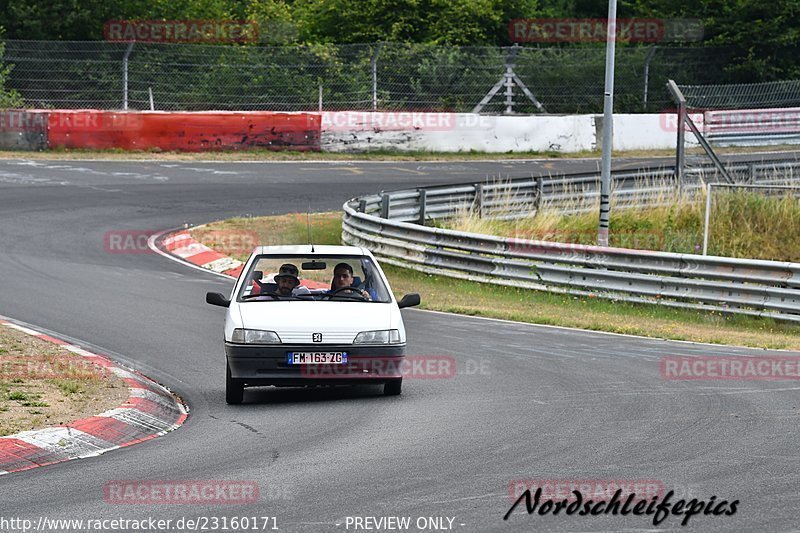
column 343, row 277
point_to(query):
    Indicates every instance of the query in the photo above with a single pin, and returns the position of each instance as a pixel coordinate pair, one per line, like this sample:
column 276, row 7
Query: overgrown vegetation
column 743, row 41
column 8, row 98
column 742, row 224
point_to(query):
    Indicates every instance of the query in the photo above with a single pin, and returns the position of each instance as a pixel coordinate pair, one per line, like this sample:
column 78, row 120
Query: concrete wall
column 187, row 132
column 352, row 131
column 183, row 131
column 346, row 131
column 646, row 131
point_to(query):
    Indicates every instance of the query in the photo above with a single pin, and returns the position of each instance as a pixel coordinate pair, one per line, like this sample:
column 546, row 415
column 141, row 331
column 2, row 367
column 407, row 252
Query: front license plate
column 316, row 358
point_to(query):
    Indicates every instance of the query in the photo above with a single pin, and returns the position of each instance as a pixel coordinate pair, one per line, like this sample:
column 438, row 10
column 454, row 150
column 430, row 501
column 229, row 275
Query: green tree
column 79, row 20
column 277, row 21
column 765, row 35
column 9, row 98
column 474, row 22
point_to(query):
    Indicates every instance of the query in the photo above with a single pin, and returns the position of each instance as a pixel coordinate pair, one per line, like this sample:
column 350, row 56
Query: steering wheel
column 354, row 292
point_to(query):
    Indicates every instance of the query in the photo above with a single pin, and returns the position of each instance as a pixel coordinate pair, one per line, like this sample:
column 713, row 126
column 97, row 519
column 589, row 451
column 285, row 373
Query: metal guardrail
column 392, row 226
column 753, row 127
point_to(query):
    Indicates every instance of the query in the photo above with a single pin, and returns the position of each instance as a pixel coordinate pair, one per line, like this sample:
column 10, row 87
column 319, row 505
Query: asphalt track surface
column 550, row 403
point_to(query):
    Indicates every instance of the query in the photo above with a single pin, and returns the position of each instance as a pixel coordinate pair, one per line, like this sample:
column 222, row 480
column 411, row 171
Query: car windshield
column 347, row 278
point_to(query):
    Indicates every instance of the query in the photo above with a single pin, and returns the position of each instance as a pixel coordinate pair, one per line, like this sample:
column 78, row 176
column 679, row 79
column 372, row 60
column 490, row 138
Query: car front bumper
column 267, row 365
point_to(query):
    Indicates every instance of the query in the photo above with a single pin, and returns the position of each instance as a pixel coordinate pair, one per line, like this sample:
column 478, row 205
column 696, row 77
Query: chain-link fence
column 388, row 76
column 772, row 94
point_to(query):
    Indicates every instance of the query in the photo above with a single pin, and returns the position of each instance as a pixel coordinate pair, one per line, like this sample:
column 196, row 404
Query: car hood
column 295, row 321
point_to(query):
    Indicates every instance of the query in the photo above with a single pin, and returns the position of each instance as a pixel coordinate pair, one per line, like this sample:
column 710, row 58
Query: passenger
column 287, row 279
column 343, row 277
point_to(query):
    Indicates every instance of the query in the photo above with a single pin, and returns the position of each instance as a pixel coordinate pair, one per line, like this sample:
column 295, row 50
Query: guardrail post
column 751, row 173
column 479, row 199
column 385, row 206
column 362, row 206
column 423, row 201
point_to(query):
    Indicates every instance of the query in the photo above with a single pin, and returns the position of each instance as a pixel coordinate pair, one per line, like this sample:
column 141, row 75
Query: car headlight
column 382, row 336
column 254, row 336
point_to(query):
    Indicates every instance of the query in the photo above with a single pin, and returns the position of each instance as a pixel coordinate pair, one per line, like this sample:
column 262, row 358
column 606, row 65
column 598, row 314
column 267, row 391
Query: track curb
column 178, row 244
column 150, row 411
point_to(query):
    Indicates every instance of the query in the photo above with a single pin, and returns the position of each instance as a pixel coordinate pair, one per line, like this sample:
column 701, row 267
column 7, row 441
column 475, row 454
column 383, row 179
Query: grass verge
column 43, row 384
column 743, row 224
column 477, row 299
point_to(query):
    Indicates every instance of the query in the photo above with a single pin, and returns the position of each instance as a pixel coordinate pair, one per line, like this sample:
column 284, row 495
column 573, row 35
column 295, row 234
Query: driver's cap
column 288, row 270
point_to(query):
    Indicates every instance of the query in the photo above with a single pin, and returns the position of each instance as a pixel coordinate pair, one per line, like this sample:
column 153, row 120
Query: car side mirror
column 409, row 300
column 215, row 298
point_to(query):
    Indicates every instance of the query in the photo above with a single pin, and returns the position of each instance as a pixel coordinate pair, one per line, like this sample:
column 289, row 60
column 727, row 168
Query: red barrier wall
column 184, row 131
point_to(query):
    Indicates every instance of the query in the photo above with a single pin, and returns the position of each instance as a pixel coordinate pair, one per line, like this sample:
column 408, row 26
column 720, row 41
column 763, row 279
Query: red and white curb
column 150, row 411
column 182, row 245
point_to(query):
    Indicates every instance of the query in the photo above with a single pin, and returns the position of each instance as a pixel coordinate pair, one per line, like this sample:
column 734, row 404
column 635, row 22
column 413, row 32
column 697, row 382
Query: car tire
column 234, row 388
column 393, row 387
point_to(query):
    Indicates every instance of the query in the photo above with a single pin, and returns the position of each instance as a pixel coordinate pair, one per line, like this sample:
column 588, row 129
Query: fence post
column 385, row 206
column 320, row 98
column 125, row 75
column 423, row 204
column 680, row 154
column 650, row 54
column 374, row 65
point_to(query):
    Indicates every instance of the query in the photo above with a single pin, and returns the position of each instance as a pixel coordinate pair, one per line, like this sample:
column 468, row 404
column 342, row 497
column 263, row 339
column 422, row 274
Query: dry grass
column 744, row 224
column 447, row 294
column 42, row 384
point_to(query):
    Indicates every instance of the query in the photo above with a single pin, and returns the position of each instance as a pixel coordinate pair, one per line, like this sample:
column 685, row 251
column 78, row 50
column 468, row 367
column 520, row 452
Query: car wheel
column 234, row 388
column 393, row 388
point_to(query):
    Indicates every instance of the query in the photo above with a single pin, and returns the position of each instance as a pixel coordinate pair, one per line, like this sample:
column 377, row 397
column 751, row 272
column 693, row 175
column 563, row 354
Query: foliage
column 9, row 98
column 762, row 38
column 743, row 224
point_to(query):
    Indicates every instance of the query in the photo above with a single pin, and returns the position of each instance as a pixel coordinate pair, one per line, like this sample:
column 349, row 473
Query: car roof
column 306, row 250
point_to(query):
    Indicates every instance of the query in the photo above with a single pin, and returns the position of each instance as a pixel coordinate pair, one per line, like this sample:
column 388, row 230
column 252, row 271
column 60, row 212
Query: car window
column 315, row 275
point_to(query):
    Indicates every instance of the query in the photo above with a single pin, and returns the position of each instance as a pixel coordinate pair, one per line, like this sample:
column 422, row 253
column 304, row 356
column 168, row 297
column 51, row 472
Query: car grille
column 327, row 338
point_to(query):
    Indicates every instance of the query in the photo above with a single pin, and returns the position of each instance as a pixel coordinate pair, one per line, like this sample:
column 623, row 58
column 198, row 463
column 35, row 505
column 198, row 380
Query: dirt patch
column 43, row 384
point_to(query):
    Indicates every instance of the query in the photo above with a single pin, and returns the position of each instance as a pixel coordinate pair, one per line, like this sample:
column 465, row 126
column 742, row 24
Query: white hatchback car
column 312, row 315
